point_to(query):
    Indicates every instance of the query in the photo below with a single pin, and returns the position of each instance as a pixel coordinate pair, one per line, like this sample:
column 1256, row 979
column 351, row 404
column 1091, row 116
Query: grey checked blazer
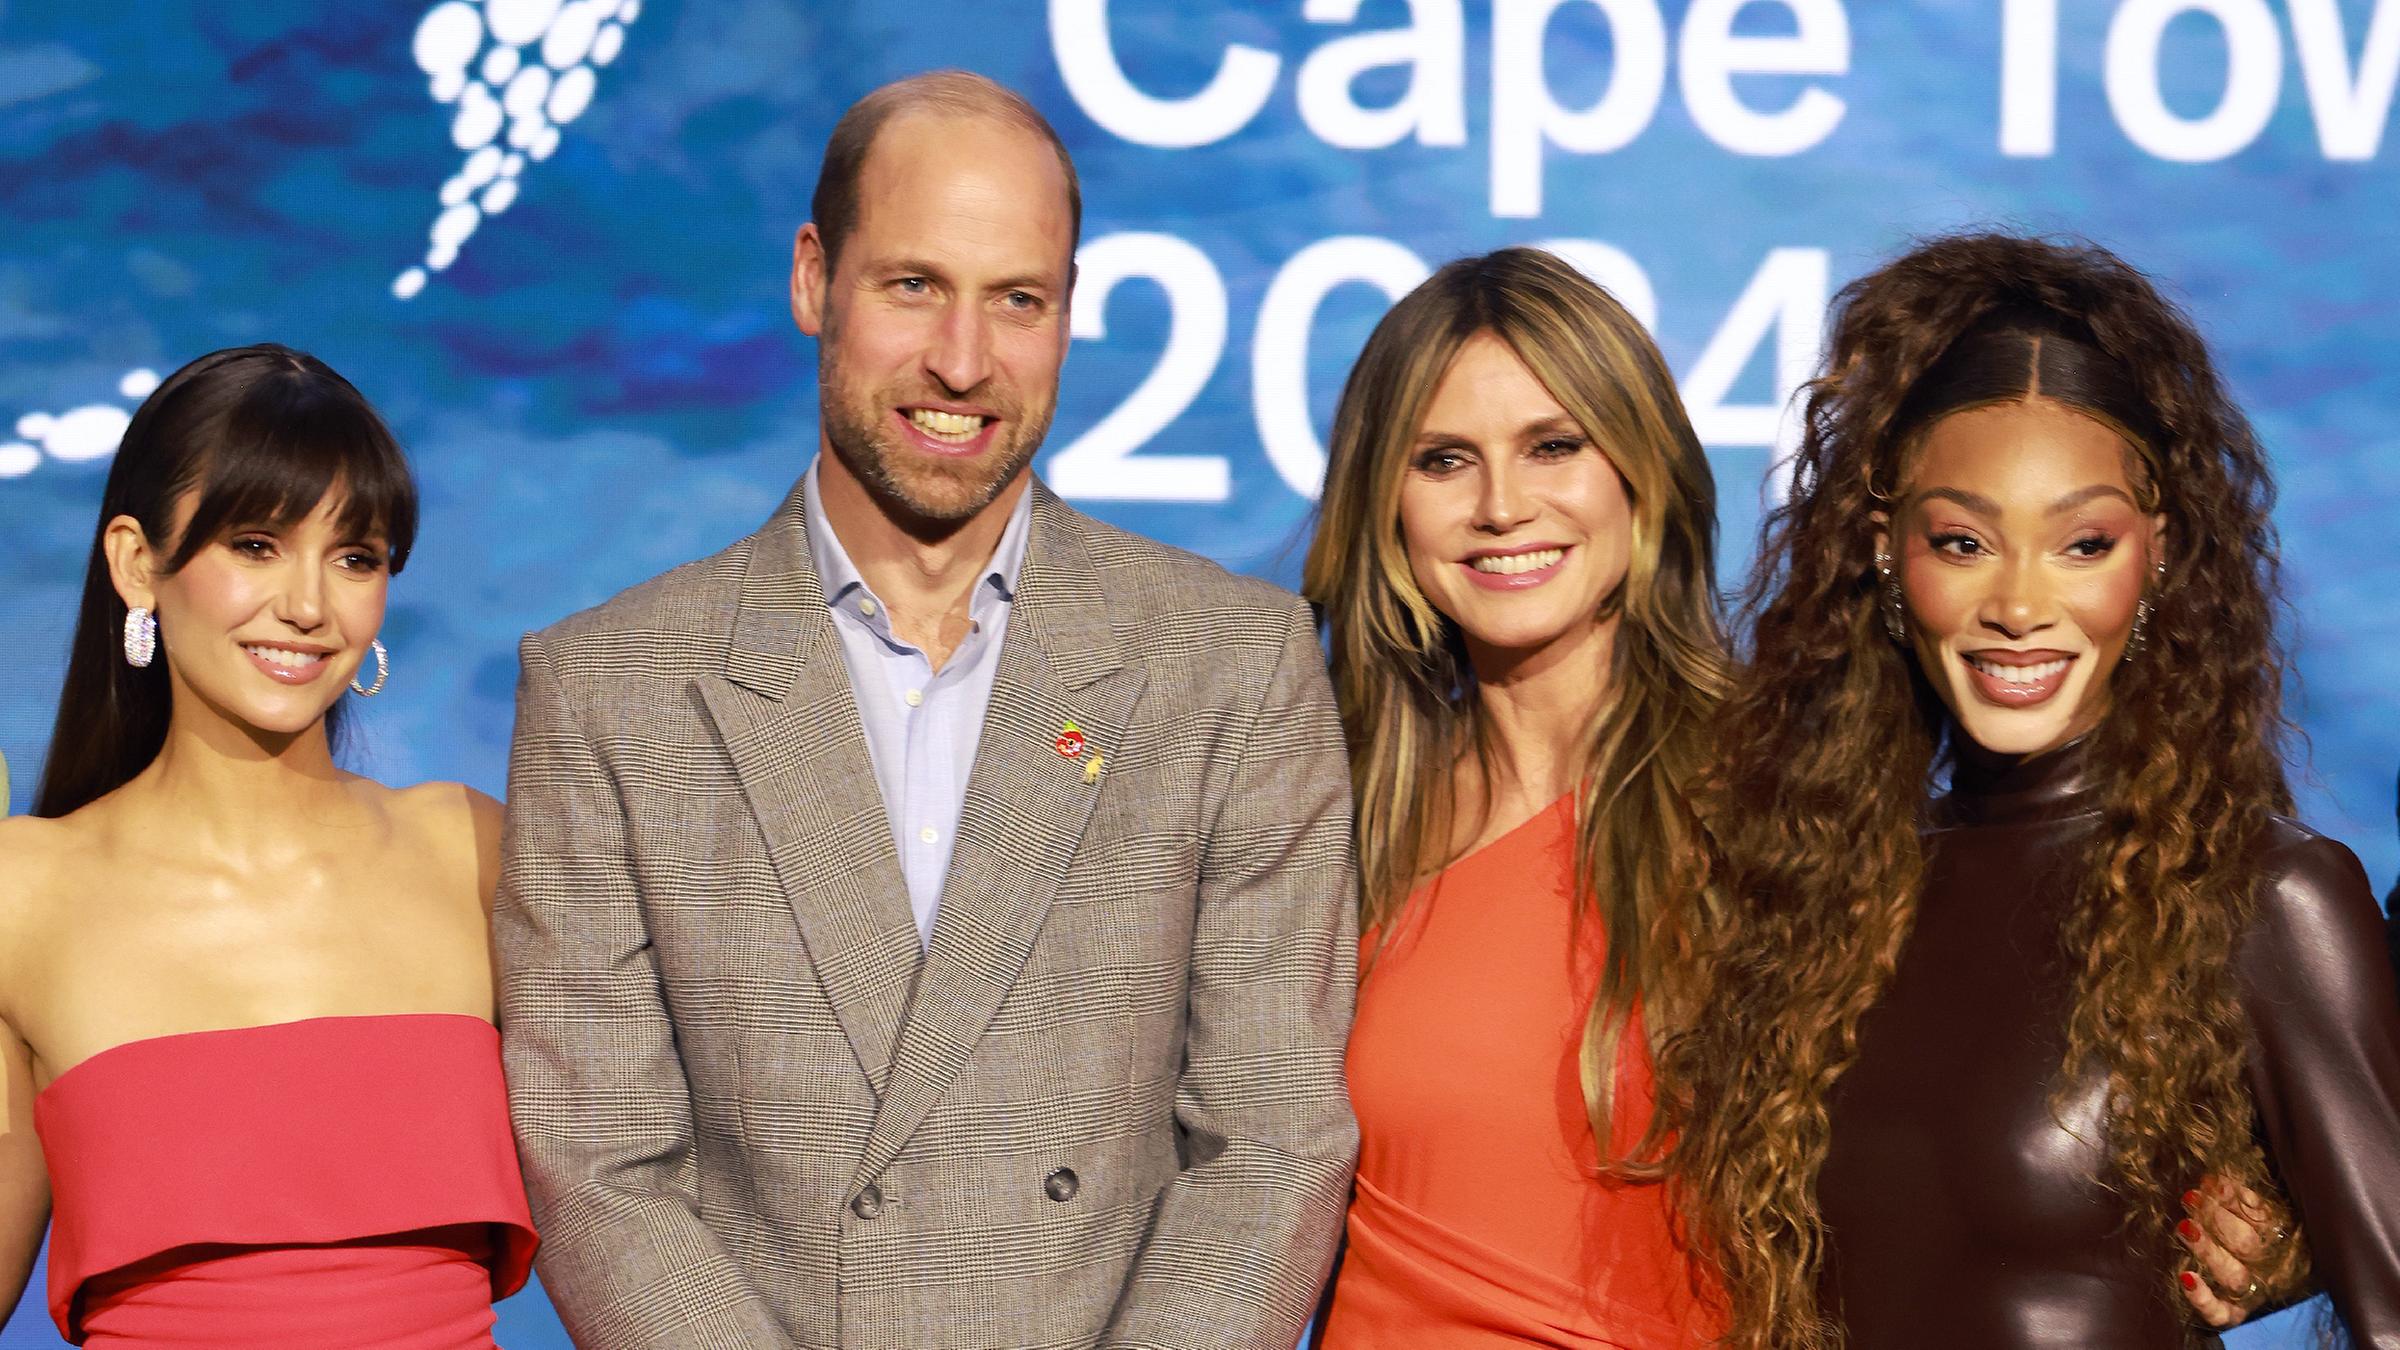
column 752, row 1113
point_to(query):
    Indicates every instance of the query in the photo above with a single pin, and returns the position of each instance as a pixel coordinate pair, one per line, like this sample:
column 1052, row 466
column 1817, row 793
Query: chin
column 279, row 717
column 1522, row 636
column 288, row 721
column 949, row 489
column 2014, row 734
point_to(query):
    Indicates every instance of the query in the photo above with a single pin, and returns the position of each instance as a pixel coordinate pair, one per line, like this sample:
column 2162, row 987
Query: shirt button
column 914, row 697
column 867, row 1203
column 866, row 607
column 1061, row 1185
column 927, row 834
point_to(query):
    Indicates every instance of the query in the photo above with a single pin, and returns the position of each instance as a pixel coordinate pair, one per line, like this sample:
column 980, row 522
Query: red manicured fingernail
column 2191, row 1199
column 2190, row 1230
column 2190, row 1281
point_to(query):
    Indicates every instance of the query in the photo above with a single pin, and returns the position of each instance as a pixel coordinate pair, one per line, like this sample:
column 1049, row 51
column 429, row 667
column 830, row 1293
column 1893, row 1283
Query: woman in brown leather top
column 1970, row 1047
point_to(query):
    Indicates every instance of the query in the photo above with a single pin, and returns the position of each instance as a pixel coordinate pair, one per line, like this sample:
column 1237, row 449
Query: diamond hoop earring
column 1895, row 621
column 141, row 636
column 383, row 670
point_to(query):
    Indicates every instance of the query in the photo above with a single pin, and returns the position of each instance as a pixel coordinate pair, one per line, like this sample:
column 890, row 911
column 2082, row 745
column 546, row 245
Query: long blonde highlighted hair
column 1400, row 670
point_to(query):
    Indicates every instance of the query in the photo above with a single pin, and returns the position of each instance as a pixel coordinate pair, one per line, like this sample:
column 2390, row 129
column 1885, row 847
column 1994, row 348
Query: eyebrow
column 1540, row 426
column 1982, row 505
column 1026, row 281
column 2086, row 494
column 921, row 267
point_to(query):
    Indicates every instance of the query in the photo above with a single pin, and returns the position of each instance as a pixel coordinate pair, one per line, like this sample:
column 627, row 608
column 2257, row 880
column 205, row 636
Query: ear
column 2158, row 541
column 132, row 562
column 1066, row 314
column 1883, row 533
column 810, row 278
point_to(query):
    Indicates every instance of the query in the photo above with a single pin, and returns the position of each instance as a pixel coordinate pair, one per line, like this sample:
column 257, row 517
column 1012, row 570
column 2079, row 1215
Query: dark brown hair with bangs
column 249, row 436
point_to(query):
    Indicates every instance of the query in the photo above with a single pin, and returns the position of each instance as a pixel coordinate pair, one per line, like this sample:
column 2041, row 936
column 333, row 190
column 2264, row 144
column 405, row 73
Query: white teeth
column 285, row 657
column 1509, row 564
column 2019, row 675
column 946, row 426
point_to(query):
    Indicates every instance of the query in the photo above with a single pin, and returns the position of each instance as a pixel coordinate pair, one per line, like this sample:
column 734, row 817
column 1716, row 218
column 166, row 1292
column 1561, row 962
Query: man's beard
column 911, row 483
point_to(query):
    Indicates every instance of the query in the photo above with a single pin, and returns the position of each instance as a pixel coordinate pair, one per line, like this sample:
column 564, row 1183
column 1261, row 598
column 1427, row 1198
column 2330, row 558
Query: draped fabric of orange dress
column 1480, row 1219
column 337, row 1183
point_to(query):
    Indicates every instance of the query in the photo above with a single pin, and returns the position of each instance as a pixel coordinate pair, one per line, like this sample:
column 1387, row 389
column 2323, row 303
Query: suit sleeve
column 2325, row 1067
column 1245, row 1232
column 602, row 1110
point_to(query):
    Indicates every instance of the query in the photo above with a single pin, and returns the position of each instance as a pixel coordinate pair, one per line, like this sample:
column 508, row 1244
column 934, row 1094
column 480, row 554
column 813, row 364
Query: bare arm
column 24, row 1180
column 1244, row 1235
column 601, row 1105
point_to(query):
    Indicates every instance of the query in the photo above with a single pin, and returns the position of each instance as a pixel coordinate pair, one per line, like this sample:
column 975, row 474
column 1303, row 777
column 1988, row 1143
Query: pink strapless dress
column 338, row 1183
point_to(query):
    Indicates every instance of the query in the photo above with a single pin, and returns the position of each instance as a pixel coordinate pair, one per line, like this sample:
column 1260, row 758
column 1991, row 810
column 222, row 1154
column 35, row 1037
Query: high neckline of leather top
column 1995, row 789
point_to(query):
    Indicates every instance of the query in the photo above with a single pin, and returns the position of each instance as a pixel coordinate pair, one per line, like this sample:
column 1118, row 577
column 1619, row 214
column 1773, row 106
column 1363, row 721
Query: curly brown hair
column 1833, row 743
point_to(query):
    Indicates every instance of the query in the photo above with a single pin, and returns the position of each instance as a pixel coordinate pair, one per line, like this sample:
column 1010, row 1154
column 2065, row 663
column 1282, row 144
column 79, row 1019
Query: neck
column 229, row 783
column 1537, row 706
column 924, row 571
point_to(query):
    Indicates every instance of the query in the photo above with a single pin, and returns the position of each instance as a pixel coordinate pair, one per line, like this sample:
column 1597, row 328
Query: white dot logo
column 515, row 71
column 78, row 435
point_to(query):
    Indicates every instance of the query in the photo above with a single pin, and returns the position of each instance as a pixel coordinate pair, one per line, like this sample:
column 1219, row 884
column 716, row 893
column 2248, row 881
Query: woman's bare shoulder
column 458, row 823
column 455, row 810
column 40, row 858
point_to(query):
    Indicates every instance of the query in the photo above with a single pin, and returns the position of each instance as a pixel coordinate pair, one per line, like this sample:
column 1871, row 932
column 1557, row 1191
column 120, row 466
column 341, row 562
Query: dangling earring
column 1895, row 618
column 141, row 636
column 2139, row 640
column 383, row 668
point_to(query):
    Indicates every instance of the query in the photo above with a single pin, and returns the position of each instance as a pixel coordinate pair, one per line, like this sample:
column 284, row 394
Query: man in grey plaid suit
column 929, row 922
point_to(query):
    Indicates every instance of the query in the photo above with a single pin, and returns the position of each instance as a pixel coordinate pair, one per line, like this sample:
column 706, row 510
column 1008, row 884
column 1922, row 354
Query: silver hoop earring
column 141, row 636
column 383, row 670
column 1895, row 618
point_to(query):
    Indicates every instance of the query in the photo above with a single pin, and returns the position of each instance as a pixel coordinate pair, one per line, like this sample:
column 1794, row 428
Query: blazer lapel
column 1025, row 811
column 789, row 722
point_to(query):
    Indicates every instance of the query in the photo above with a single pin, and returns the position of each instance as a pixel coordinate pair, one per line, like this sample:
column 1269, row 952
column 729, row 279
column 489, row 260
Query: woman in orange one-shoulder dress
column 1514, row 567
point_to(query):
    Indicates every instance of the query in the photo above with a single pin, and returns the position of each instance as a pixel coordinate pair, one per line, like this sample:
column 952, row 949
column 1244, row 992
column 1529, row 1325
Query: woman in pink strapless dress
column 246, row 1051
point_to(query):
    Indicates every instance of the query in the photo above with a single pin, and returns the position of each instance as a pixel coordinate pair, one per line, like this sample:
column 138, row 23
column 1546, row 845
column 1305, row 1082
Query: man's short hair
column 957, row 93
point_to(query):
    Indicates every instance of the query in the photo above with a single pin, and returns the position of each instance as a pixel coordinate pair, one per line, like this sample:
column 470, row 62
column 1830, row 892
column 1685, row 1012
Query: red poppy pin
column 1069, row 744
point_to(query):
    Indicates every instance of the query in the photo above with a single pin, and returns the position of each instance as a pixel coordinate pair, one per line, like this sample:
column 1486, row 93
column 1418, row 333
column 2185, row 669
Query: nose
column 960, row 355
column 2020, row 601
column 300, row 600
column 1502, row 505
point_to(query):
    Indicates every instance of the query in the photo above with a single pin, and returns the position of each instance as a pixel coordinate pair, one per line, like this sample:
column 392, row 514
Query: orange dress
column 1480, row 1219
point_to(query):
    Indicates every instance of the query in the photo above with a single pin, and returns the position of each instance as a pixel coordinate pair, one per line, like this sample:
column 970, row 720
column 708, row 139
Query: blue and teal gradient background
column 605, row 380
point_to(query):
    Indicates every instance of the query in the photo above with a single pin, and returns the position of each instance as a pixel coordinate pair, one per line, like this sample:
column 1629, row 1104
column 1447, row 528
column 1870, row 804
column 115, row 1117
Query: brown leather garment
column 1965, row 1211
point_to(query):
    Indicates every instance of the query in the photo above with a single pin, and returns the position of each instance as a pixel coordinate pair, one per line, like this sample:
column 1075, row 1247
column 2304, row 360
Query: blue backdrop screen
column 549, row 238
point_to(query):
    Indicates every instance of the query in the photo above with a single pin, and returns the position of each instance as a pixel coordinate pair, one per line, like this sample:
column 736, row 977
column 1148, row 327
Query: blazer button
column 1061, row 1185
column 867, row 1203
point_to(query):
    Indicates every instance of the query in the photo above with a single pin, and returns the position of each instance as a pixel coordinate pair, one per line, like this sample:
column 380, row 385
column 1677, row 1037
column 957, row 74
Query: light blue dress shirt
column 921, row 724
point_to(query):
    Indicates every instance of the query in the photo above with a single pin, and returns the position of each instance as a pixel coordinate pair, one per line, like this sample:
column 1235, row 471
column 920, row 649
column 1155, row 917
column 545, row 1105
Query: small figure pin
column 1070, row 742
column 1091, row 769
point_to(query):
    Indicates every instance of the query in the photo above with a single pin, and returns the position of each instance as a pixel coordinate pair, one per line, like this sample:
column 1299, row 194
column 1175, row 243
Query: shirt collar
column 839, row 576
